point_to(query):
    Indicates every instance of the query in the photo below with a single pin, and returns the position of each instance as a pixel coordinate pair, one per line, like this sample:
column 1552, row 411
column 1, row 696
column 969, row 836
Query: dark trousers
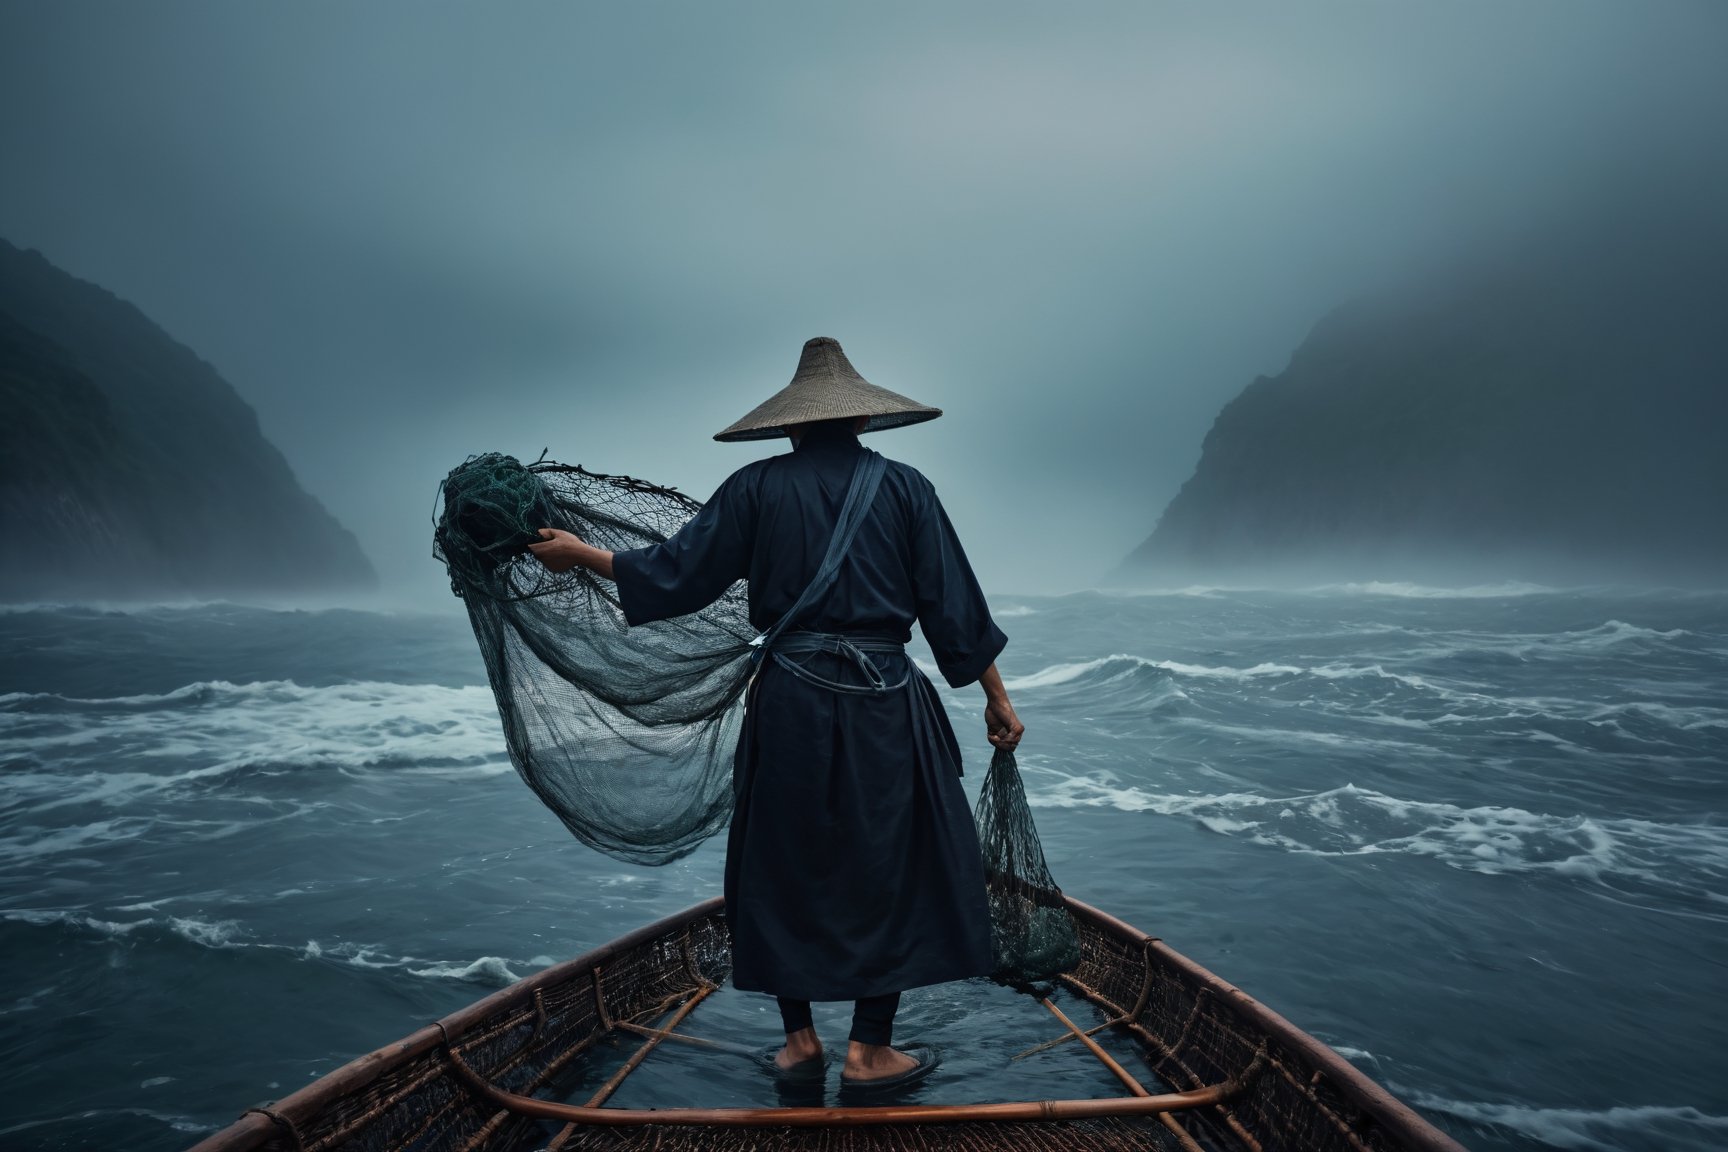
column 872, row 1017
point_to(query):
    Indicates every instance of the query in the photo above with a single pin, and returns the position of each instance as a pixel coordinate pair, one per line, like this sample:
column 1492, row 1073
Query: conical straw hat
column 826, row 387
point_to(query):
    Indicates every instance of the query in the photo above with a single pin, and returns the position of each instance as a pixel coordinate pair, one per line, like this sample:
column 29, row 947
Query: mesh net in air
column 627, row 734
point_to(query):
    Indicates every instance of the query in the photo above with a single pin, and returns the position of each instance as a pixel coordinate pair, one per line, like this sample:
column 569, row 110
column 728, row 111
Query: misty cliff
column 128, row 467
column 1555, row 416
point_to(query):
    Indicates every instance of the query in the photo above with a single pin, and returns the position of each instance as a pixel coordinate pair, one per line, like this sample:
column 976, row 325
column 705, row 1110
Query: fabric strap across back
column 860, row 494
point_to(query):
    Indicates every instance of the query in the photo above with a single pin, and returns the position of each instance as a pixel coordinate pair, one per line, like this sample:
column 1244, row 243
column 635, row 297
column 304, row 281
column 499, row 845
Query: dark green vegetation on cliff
column 1551, row 417
column 128, row 467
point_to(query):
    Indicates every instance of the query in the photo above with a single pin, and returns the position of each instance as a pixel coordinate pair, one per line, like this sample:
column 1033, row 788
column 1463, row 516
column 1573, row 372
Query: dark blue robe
column 852, row 865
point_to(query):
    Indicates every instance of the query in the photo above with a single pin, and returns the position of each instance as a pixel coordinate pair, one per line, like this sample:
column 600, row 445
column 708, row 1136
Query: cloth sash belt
column 930, row 727
column 855, row 647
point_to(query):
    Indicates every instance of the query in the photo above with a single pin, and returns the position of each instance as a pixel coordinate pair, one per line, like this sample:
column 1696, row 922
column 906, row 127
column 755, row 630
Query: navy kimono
column 852, row 865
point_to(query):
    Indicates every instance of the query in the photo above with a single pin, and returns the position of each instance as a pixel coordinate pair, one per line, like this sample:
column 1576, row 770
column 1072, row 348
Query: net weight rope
column 627, row 734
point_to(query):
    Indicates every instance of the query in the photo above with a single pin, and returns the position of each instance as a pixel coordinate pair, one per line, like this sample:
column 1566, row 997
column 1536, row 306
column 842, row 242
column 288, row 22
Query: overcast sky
column 411, row 232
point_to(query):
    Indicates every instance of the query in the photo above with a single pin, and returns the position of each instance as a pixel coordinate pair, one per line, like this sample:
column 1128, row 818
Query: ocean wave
column 370, row 603
column 204, row 933
column 1122, row 664
column 1612, row 632
column 220, row 693
column 212, row 735
column 1687, row 719
column 1689, row 859
column 1605, row 639
column 1427, row 701
column 74, row 1120
column 31, row 844
column 494, row 970
column 227, row 935
column 1407, row 590
column 1680, row 1128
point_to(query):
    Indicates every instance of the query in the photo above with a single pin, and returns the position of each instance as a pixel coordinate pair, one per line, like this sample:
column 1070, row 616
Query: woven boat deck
column 1253, row 1081
column 1108, row 1134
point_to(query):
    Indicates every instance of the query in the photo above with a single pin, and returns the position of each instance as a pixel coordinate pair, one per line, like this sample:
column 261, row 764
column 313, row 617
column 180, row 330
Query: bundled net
column 627, row 734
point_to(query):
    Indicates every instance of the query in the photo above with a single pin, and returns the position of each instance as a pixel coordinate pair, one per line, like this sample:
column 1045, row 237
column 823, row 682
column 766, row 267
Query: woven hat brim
column 799, row 403
column 877, row 423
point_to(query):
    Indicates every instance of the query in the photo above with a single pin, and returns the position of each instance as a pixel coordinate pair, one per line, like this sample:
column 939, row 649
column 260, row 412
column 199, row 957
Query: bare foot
column 874, row 1061
column 800, row 1046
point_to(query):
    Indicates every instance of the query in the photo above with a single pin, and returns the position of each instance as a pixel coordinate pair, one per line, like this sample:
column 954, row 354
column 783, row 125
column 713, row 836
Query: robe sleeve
column 694, row 567
column 951, row 609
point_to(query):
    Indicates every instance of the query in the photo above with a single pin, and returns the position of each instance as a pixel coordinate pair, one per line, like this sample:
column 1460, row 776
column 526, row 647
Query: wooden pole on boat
column 725, row 1046
column 839, row 1117
column 641, row 1053
column 1104, row 1057
column 1122, row 1074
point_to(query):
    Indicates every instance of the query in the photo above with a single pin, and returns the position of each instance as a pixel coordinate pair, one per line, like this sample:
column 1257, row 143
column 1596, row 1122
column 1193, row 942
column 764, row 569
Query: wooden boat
column 487, row 1078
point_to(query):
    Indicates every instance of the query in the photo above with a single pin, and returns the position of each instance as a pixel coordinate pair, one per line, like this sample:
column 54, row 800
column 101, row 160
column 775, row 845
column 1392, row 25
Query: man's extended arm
column 561, row 551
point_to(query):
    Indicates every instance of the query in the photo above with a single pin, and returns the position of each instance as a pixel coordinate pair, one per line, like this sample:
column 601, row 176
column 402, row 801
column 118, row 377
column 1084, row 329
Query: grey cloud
column 408, row 232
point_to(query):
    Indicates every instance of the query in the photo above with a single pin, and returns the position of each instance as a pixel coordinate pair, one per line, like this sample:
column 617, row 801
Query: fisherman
column 852, row 863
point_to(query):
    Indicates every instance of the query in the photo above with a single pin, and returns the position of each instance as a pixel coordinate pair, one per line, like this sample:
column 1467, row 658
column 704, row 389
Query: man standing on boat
column 852, row 864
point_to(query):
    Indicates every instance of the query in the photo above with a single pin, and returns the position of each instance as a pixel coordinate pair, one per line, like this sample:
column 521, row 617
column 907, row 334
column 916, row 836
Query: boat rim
column 259, row 1123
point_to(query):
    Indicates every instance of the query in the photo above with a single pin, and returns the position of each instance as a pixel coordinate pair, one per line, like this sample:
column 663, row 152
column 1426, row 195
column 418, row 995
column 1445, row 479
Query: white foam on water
column 1405, row 590
column 1347, row 741
column 1615, row 631
column 1122, row 664
column 1056, row 674
column 1199, row 591
column 486, row 970
column 221, row 935
column 32, row 843
column 1469, row 705
column 1201, row 670
column 1689, row 859
column 204, row 933
column 1688, row 719
column 1678, row 1127
column 1014, row 611
column 207, row 732
column 1466, row 703
column 175, row 1122
column 46, row 916
column 1603, row 640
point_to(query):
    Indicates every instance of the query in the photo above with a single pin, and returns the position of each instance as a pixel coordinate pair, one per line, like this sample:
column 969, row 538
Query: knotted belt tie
column 854, row 647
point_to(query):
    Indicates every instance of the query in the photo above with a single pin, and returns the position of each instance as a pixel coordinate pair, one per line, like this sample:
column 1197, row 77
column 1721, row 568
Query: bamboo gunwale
column 1391, row 1112
column 842, row 1117
column 255, row 1128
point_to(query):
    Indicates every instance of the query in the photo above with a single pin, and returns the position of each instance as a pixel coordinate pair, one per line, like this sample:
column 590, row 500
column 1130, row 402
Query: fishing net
column 1030, row 926
column 627, row 733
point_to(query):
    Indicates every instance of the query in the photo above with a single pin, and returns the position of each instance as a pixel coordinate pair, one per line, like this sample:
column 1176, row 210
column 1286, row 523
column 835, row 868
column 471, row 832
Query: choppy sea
column 1474, row 839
